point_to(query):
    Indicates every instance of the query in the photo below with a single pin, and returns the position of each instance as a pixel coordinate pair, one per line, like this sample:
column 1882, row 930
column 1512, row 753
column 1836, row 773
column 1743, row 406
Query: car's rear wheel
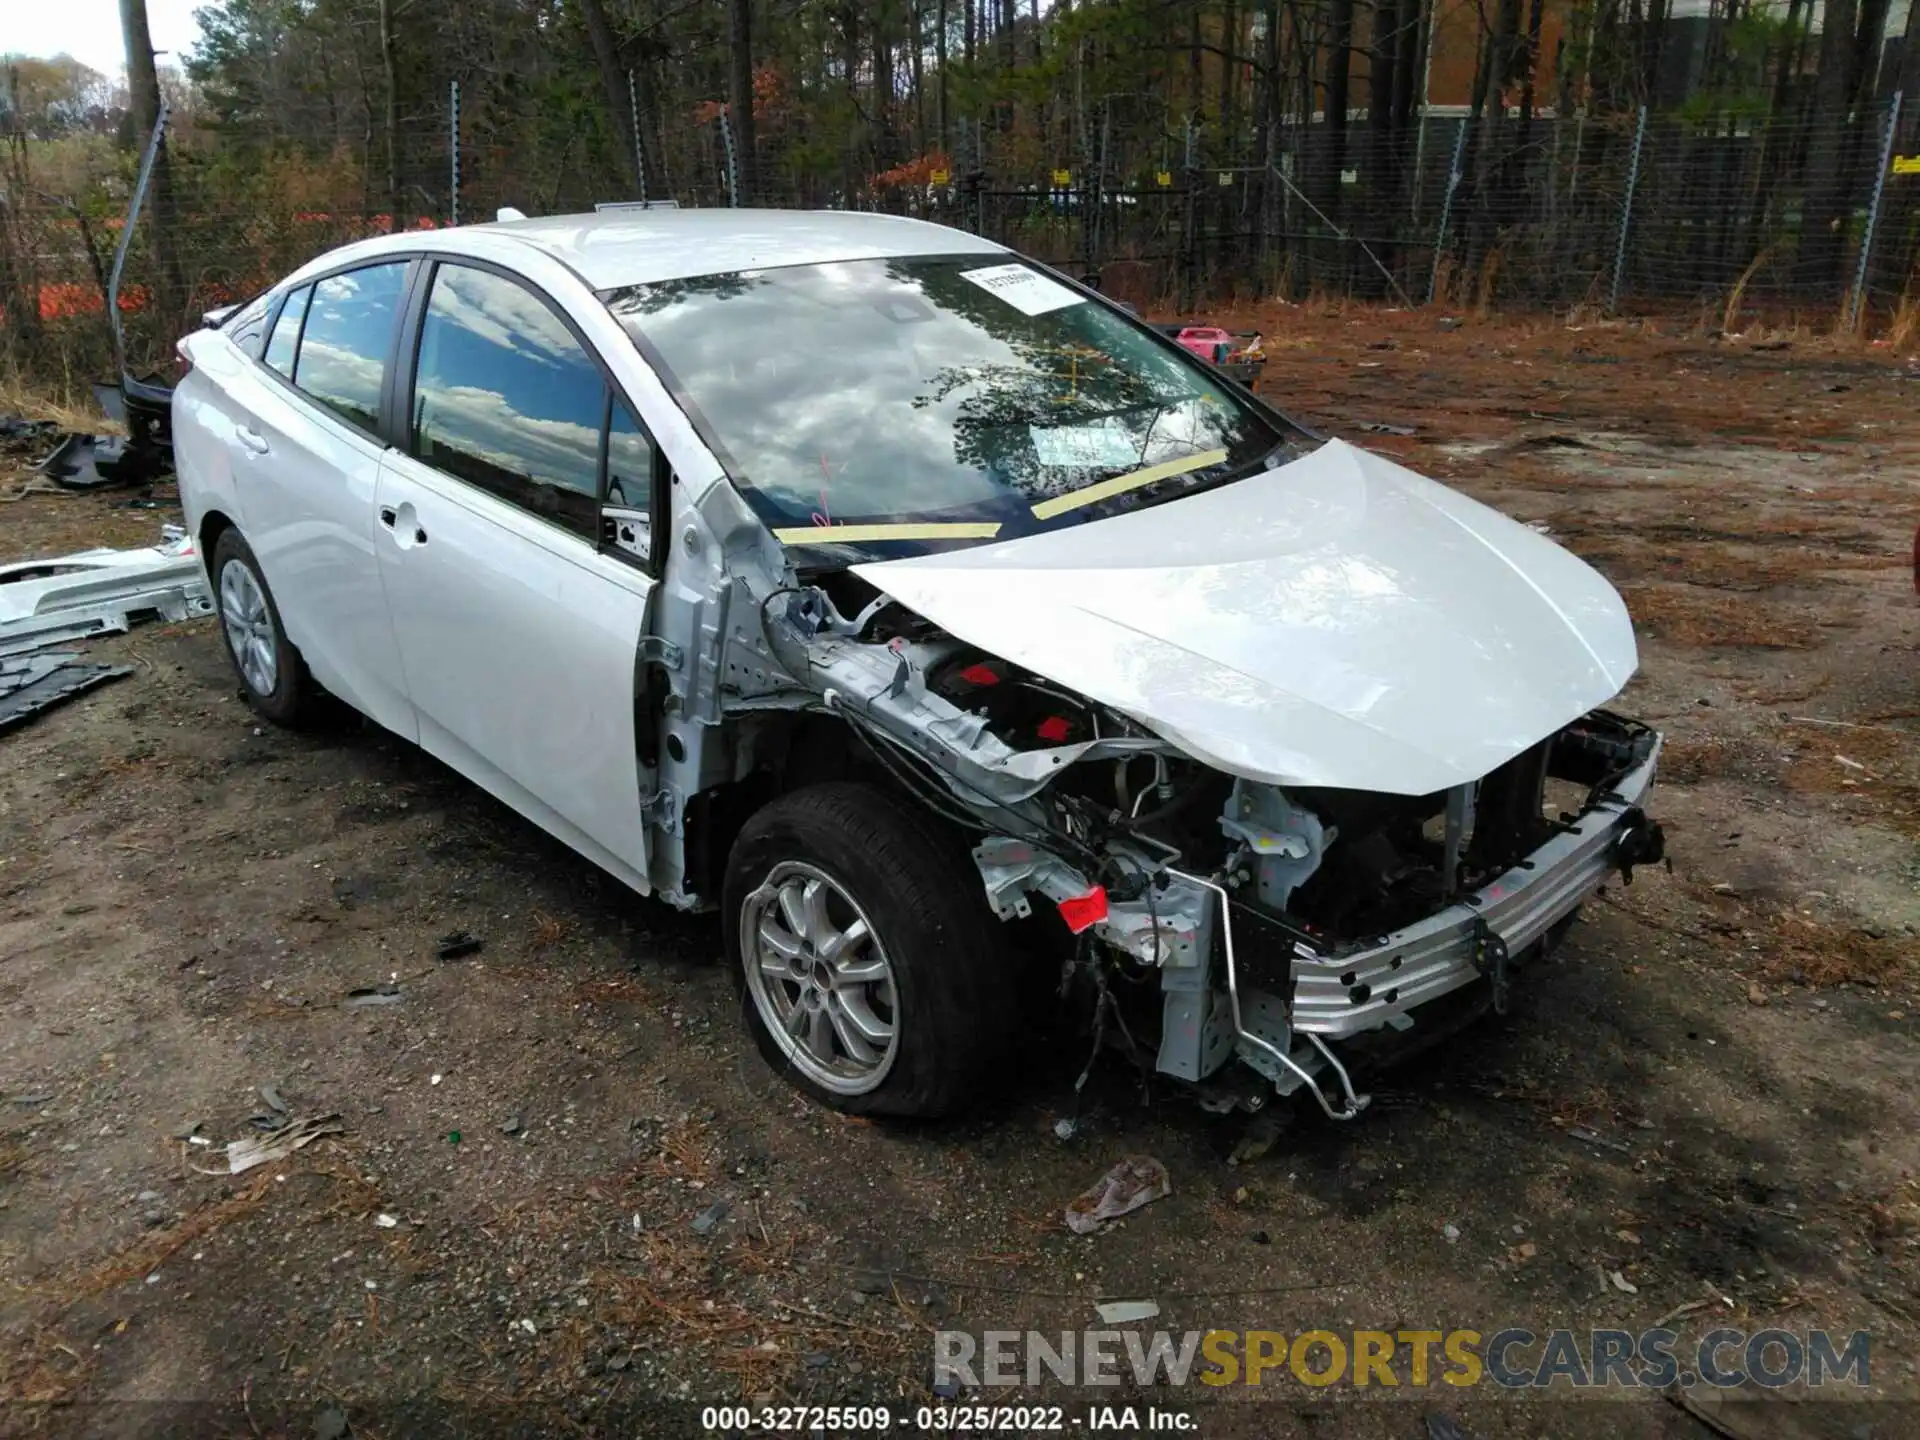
column 272, row 675
column 869, row 965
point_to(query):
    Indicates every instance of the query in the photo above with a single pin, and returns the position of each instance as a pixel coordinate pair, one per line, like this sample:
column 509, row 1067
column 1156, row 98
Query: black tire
column 953, row 996
column 290, row 702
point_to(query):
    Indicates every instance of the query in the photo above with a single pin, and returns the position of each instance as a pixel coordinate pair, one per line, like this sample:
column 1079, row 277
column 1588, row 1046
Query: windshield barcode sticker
column 1028, row 291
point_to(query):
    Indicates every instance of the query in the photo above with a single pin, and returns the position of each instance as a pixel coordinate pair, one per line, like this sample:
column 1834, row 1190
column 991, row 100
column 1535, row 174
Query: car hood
column 1337, row 620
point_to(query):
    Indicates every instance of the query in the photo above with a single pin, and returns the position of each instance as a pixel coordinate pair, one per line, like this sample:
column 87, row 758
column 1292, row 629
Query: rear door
column 518, row 629
column 306, row 461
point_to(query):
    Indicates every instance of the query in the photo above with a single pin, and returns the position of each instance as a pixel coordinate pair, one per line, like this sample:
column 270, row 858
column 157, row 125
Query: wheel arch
column 213, row 525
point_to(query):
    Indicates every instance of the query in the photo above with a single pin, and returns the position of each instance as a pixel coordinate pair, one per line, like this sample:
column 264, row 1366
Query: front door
column 518, row 636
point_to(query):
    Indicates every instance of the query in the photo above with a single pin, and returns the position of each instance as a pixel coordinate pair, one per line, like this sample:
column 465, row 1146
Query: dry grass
column 1697, row 619
column 1905, row 325
column 71, row 408
column 1691, row 760
column 1877, row 771
column 1626, row 557
column 43, row 1368
column 1818, row 954
column 1736, row 298
column 149, row 1252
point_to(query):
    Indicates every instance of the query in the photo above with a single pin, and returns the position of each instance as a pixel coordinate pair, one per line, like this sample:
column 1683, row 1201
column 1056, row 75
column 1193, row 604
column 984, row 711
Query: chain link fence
column 1726, row 219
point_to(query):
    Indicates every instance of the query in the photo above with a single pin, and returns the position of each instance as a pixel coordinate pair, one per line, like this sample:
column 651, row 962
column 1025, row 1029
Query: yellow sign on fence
column 1063, row 177
column 939, row 177
column 1906, row 164
column 1226, row 177
column 1163, row 178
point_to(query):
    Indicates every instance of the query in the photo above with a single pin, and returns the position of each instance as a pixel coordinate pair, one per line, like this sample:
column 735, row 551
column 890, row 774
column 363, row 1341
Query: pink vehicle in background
column 1241, row 356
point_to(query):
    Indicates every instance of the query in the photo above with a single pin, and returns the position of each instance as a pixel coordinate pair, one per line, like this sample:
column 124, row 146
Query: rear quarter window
column 285, row 340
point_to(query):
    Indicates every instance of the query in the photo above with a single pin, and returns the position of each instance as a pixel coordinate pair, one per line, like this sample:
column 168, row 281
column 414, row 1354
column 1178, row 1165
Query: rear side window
column 343, row 348
column 286, row 331
column 247, row 326
column 506, row 399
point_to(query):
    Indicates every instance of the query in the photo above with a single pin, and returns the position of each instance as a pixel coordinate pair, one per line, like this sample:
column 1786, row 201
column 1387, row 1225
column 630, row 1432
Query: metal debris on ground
column 371, row 995
column 709, row 1219
column 99, row 592
column 30, row 684
column 274, row 1101
column 1590, row 1137
column 1137, row 1180
column 458, row 945
column 1124, row 1312
column 243, row 1155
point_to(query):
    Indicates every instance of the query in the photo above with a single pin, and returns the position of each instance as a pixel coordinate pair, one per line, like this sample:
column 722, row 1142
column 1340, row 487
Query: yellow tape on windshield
column 1120, row 484
column 856, row 534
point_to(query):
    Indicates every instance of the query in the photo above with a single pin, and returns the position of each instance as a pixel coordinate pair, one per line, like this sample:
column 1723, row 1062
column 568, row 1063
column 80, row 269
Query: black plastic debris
column 458, row 946
column 36, row 682
column 20, row 437
column 100, row 462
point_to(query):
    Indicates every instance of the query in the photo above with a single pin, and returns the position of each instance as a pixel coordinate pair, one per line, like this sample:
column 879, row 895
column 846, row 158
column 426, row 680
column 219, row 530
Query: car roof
column 636, row 247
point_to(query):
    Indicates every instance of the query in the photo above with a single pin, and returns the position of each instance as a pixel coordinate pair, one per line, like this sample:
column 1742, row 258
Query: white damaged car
column 960, row 638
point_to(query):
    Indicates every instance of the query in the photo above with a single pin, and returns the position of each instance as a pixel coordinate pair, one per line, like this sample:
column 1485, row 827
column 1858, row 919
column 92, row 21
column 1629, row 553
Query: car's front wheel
column 271, row 671
column 869, row 965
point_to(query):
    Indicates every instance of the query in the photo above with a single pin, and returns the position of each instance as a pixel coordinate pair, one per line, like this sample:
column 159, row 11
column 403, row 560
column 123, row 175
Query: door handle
column 390, row 517
column 252, row 439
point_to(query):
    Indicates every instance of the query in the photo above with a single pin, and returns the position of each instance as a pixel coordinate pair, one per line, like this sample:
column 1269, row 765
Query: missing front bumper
column 1381, row 986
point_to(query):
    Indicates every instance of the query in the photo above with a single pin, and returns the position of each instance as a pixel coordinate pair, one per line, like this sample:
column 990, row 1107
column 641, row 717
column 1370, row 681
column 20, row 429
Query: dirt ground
column 1710, row 1093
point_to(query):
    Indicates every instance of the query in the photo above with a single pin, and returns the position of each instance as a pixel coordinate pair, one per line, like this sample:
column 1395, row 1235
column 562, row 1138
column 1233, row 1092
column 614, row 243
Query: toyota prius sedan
column 966, row 643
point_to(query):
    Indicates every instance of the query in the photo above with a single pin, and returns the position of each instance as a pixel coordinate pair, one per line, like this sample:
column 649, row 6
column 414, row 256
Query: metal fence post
column 733, row 164
column 1446, row 206
column 639, row 155
column 1859, row 296
column 1626, row 211
column 154, row 142
column 453, row 150
column 1189, row 260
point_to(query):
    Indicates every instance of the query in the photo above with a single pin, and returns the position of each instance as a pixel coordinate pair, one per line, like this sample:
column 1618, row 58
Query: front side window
column 874, row 408
column 506, row 399
column 343, row 347
column 629, row 461
column 286, row 331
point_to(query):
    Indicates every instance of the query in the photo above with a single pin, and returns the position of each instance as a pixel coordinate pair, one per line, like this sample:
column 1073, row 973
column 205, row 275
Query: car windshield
column 889, row 407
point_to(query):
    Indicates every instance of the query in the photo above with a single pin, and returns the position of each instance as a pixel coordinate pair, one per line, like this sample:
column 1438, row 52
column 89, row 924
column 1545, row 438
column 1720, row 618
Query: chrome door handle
column 252, row 439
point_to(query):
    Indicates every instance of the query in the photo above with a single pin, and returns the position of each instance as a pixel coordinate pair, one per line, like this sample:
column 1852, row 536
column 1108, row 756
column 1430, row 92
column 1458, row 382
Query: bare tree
column 613, row 81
